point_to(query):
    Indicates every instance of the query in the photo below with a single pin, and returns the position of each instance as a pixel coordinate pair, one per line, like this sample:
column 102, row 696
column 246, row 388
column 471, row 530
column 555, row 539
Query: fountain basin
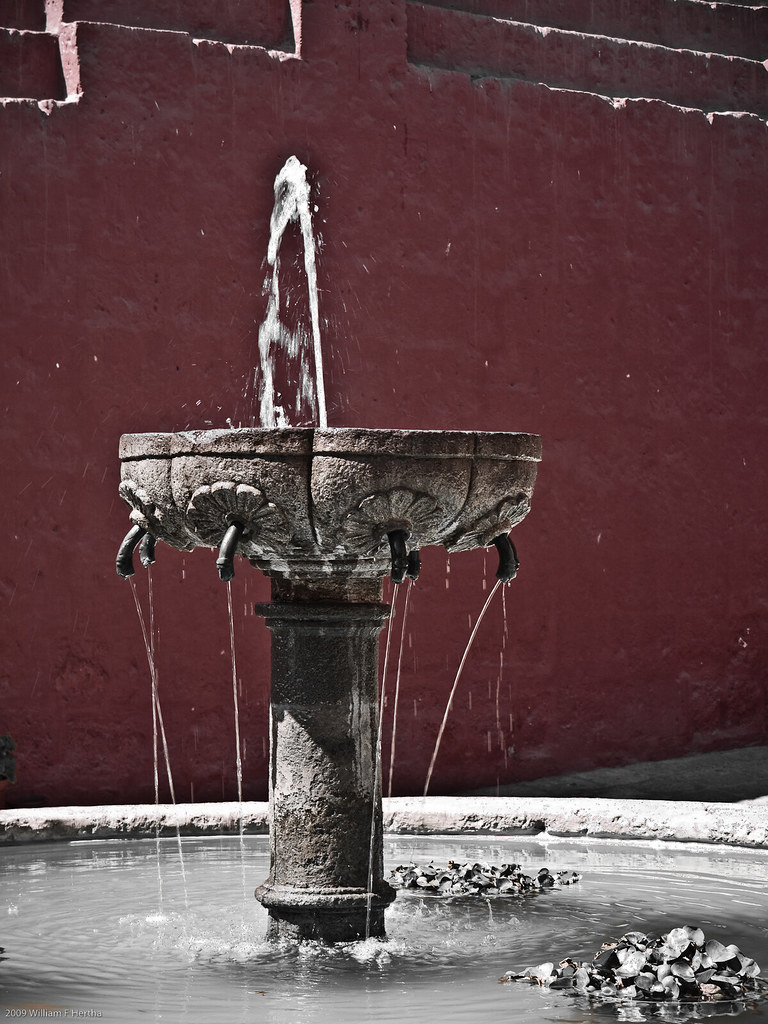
column 314, row 503
column 203, row 955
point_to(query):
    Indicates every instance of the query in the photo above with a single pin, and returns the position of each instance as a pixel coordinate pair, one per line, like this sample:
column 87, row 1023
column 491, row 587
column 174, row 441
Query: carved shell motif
column 165, row 524
column 366, row 526
column 215, row 507
column 481, row 534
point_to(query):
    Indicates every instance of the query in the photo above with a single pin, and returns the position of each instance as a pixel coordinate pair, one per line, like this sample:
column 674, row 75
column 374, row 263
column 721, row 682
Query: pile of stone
column 682, row 965
column 478, row 879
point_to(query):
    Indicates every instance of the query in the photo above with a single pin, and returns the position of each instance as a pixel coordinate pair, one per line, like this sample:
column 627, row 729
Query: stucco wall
column 497, row 254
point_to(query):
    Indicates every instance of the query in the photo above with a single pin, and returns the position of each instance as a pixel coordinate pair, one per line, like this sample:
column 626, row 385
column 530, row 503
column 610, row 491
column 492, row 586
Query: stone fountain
column 326, row 513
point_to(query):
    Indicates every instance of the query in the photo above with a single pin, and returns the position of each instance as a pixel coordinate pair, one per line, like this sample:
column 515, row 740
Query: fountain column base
column 326, row 847
column 323, row 914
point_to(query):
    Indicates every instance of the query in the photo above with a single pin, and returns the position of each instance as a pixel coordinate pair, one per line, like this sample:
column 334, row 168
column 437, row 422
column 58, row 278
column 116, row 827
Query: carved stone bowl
column 311, row 502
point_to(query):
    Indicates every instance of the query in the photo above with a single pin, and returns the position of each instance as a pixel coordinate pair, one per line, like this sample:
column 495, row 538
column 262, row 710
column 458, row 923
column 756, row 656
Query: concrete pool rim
column 717, row 824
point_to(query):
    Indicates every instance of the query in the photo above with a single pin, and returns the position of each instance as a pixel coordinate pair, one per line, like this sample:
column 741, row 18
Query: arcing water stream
column 452, row 694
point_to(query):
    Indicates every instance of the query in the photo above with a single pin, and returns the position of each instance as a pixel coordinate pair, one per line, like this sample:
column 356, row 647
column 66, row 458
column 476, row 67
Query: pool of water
column 129, row 931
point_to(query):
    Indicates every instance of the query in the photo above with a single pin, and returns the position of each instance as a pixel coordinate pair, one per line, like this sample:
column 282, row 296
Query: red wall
column 496, row 254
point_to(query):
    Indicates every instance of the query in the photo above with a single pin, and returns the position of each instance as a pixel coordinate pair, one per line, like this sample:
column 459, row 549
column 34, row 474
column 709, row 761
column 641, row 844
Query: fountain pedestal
column 326, row 876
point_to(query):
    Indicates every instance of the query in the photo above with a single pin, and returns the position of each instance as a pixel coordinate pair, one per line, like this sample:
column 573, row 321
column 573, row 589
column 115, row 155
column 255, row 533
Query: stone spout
column 124, row 562
column 397, row 541
column 147, row 550
column 413, row 567
column 405, row 564
column 508, row 561
column 225, row 562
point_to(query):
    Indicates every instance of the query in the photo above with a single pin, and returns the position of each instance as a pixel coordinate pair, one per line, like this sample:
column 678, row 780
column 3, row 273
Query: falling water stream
column 236, row 704
column 377, row 763
column 157, row 719
column 393, row 739
column 155, row 758
column 504, row 744
column 157, row 714
column 238, row 748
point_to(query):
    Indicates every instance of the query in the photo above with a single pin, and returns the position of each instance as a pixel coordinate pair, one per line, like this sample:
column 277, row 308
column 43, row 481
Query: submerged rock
column 476, row 879
column 681, row 965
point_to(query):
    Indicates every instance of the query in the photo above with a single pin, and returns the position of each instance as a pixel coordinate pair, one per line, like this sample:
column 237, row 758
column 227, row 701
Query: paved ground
column 728, row 776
